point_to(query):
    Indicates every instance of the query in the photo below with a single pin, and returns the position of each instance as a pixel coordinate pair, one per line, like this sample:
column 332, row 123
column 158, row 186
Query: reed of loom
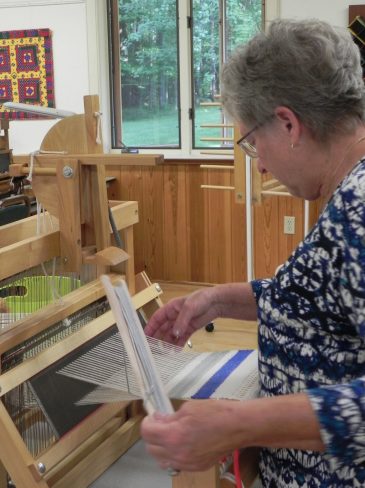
column 71, row 185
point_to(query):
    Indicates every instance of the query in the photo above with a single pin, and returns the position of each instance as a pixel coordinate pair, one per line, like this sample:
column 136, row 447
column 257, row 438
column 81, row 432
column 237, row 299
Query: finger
column 165, row 316
column 167, row 333
column 163, row 332
column 156, row 428
column 157, row 321
column 195, row 314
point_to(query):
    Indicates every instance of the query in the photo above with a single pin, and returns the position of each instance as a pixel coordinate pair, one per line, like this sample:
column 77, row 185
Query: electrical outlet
column 289, row 224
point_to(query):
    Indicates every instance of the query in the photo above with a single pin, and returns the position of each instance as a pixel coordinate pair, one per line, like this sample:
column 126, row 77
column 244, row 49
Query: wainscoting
column 190, row 234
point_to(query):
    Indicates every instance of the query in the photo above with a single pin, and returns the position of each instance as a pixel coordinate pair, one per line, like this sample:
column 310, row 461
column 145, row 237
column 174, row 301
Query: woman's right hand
column 176, row 321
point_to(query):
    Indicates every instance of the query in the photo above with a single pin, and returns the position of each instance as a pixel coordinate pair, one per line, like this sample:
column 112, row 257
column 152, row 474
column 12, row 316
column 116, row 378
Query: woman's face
column 291, row 166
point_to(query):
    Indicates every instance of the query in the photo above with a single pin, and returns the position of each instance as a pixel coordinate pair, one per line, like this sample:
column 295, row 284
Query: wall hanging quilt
column 26, row 70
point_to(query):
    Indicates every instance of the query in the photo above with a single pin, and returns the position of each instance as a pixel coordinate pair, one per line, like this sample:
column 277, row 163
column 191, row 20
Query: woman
column 297, row 94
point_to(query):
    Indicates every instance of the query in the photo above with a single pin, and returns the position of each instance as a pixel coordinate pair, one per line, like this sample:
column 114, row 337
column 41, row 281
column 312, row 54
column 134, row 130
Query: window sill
column 178, row 156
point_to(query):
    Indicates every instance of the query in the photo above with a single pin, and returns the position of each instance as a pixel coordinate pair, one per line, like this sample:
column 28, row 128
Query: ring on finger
column 172, row 472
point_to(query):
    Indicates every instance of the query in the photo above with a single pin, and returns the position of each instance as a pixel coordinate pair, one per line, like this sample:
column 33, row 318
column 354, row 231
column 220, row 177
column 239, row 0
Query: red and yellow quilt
column 26, row 70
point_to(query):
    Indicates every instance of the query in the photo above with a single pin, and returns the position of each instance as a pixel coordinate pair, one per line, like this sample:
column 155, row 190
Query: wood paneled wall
column 271, row 246
column 197, row 235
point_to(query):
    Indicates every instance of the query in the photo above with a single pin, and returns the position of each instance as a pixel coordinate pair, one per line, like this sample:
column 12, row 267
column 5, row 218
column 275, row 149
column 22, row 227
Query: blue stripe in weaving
column 221, row 375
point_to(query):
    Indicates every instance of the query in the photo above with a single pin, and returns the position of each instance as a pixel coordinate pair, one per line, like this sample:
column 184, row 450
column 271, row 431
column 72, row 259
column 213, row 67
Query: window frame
column 185, row 88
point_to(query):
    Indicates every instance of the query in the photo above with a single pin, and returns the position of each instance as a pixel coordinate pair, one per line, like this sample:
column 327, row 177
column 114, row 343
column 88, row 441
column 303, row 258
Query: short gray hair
column 308, row 66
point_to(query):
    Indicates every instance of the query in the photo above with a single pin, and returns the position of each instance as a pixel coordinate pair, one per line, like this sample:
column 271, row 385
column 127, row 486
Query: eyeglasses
column 250, row 149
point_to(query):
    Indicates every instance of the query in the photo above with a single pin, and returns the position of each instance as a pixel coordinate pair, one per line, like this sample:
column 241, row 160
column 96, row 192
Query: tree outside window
column 154, row 41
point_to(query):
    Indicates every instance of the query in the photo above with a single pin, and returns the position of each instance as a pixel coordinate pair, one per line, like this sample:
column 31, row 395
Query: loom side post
column 144, row 283
column 94, row 141
column 94, row 175
column 68, row 182
column 15, row 456
column 128, row 266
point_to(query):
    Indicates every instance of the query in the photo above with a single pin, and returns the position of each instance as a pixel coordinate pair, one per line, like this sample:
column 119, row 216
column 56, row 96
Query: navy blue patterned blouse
column 312, row 338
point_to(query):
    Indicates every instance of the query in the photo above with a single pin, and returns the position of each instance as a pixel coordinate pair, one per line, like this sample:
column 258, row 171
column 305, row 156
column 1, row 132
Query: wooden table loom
column 68, row 178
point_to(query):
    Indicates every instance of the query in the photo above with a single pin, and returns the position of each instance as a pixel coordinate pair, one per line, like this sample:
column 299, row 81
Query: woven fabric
column 183, row 372
column 26, row 70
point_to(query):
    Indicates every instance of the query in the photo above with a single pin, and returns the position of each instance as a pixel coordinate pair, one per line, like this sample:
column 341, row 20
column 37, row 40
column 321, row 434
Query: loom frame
column 81, row 234
column 80, row 456
column 72, row 186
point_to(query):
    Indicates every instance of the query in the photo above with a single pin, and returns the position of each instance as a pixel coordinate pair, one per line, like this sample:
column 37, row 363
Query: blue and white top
column 312, row 338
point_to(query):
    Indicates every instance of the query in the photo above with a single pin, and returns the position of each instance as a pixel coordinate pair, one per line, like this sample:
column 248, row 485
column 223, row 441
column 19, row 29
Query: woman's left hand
column 195, row 437
column 201, row 432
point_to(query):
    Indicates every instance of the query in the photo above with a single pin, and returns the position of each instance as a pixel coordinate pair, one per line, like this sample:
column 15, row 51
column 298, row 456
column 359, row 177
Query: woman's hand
column 194, row 438
column 176, row 321
column 201, row 432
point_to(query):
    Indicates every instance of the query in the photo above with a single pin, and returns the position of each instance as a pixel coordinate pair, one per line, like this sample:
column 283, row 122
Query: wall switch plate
column 289, row 224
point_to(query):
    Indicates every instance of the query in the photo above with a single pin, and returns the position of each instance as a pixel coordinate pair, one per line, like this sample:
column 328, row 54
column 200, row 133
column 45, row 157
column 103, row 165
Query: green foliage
column 161, row 128
column 149, row 50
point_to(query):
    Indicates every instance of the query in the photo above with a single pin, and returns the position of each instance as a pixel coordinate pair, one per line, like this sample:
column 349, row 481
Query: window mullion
column 185, row 75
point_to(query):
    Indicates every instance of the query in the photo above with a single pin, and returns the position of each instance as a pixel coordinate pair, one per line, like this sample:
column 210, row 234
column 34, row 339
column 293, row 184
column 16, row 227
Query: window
column 165, row 62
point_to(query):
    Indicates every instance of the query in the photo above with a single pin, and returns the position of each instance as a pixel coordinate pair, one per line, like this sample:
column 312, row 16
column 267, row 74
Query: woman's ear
column 290, row 123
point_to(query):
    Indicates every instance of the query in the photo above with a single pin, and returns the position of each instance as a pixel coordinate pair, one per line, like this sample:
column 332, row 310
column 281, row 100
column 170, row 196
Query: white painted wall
column 68, row 23
column 333, row 11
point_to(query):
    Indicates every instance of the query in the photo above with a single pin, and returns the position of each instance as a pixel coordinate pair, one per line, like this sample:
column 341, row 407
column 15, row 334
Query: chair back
column 14, row 208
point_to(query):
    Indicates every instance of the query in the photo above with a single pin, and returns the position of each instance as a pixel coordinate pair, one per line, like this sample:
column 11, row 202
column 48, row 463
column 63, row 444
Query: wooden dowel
column 220, row 152
column 279, row 188
column 276, row 193
column 225, row 139
column 268, row 184
column 217, row 187
column 208, row 126
column 273, row 185
column 17, row 170
column 210, row 104
column 41, row 171
column 216, row 166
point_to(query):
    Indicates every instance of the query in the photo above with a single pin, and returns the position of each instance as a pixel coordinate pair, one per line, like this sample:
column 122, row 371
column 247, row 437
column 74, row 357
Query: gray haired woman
column 297, row 95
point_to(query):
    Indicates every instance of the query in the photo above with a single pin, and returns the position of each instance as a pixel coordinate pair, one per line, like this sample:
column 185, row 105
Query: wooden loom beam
column 39, row 321
column 21, row 249
column 29, row 368
column 17, row 231
column 42, row 160
column 100, row 458
column 70, row 441
column 27, row 253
